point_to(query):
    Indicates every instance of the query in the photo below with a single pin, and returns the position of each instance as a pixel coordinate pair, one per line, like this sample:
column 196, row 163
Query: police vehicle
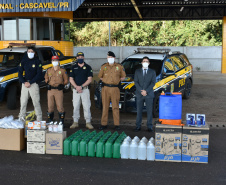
column 11, row 57
column 173, row 70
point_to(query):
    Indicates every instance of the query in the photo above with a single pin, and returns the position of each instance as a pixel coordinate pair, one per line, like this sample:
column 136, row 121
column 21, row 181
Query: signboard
column 39, row 5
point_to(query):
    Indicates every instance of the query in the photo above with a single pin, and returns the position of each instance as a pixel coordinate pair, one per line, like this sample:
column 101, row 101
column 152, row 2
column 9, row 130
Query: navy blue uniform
column 32, row 68
column 81, row 74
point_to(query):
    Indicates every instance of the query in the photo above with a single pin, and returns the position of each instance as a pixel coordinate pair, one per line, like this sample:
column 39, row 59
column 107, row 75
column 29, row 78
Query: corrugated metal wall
column 7, row 6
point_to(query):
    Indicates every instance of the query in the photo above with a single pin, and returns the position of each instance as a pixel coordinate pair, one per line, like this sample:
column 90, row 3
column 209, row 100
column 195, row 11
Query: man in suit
column 144, row 79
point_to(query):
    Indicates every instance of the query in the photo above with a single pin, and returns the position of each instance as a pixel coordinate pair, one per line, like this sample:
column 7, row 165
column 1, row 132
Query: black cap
column 80, row 54
column 111, row 54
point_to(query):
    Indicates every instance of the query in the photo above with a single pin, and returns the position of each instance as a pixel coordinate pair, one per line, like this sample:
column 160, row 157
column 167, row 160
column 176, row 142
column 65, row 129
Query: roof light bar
column 152, row 50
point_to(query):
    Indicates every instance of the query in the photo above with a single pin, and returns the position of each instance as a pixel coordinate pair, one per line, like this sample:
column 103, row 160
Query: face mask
column 30, row 55
column 111, row 60
column 145, row 65
column 80, row 60
column 55, row 64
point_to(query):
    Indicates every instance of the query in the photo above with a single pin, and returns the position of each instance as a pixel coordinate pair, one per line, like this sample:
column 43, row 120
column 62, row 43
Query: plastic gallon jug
column 117, row 144
column 124, row 149
column 133, row 149
column 170, row 108
column 83, row 146
column 152, row 140
column 128, row 139
column 142, row 151
column 144, row 139
column 150, row 151
column 137, row 139
column 108, row 148
column 92, row 144
column 101, row 143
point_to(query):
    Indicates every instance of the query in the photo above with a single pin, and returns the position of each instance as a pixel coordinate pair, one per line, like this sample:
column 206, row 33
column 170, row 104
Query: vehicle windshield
column 131, row 65
column 9, row 60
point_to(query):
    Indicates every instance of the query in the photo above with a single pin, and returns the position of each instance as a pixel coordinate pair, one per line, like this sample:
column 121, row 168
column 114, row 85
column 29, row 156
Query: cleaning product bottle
column 152, row 140
column 124, row 149
column 60, row 127
column 150, row 151
column 117, row 144
column 137, row 139
column 144, row 139
column 108, row 148
column 133, row 149
column 55, row 126
column 128, row 139
column 92, row 144
column 142, row 150
column 50, row 127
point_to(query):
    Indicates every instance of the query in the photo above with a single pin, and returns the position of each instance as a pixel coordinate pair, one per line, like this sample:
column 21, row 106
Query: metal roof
column 100, row 10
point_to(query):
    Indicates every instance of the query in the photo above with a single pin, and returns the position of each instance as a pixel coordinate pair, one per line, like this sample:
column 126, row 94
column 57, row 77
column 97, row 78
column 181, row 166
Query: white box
column 190, row 119
column 36, row 135
column 168, row 143
column 195, row 144
column 36, row 148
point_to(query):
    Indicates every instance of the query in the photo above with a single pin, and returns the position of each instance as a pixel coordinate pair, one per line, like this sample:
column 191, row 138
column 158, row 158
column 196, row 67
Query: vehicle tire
column 156, row 106
column 12, row 97
column 187, row 91
column 67, row 87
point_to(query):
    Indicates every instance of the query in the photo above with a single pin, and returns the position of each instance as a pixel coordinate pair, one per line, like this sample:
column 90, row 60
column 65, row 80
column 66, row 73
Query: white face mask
column 145, row 65
column 55, row 64
column 30, row 55
column 111, row 60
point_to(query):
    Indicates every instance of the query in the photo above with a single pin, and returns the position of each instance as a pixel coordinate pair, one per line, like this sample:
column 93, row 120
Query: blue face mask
column 80, row 60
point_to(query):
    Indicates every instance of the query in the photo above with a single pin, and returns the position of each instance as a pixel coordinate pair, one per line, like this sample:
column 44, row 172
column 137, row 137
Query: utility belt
column 110, row 85
column 59, row 87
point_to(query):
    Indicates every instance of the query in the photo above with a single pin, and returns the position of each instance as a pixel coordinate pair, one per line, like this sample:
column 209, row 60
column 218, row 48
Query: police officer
column 111, row 75
column 56, row 78
column 81, row 75
column 33, row 75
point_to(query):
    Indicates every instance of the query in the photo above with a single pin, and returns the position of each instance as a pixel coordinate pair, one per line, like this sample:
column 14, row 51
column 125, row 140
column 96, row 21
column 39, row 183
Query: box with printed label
column 168, row 143
column 12, row 139
column 36, row 135
column 54, row 142
column 36, row 148
column 195, row 144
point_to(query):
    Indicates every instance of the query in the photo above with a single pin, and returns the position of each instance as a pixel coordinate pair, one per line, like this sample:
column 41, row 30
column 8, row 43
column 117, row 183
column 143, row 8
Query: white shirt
column 144, row 70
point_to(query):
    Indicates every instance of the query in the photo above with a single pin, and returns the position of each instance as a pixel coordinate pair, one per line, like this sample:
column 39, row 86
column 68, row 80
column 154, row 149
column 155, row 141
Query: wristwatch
column 82, row 86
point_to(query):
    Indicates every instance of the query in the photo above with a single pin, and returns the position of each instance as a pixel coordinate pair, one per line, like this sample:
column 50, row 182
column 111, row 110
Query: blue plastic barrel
column 170, row 106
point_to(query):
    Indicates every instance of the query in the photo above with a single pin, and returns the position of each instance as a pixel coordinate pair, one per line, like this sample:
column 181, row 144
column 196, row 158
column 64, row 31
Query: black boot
column 61, row 116
column 50, row 116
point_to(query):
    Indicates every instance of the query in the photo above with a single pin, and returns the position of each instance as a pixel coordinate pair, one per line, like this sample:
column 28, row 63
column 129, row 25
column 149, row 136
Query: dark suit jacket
column 145, row 83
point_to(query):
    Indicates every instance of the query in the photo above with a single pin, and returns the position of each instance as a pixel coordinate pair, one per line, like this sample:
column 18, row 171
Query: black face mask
column 80, row 60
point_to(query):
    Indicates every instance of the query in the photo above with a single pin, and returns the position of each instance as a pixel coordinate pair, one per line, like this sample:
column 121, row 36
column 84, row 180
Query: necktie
column 145, row 72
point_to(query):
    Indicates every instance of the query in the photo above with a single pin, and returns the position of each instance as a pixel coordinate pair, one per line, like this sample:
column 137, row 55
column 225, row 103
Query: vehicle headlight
column 1, row 78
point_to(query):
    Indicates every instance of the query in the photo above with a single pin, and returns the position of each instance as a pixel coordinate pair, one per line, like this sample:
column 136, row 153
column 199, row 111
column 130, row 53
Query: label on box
column 36, row 135
column 34, row 125
column 195, row 144
column 54, row 142
column 168, row 143
column 35, row 148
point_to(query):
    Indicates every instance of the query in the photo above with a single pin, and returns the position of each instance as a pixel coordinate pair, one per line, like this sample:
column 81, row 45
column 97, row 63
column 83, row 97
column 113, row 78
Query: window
column 47, row 55
column 168, row 66
column 10, row 59
column 25, row 29
column 66, row 30
column 57, row 26
column 178, row 64
column 185, row 59
column 1, row 30
column 10, row 29
column 42, row 29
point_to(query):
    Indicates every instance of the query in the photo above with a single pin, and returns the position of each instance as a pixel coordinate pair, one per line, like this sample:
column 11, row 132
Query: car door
column 169, row 76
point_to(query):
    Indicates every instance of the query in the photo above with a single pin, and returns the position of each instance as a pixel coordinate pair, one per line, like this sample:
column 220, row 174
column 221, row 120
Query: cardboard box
column 195, row 144
column 36, row 148
column 25, row 131
column 168, row 143
column 54, row 142
column 36, row 135
column 12, row 139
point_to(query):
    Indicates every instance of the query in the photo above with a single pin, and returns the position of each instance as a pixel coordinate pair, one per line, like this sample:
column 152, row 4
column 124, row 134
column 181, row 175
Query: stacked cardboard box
column 168, row 143
column 36, row 141
column 54, row 142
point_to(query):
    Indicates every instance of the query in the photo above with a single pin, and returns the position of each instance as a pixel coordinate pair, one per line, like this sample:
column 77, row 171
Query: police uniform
column 33, row 75
column 111, row 77
column 56, row 80
column 80, row 76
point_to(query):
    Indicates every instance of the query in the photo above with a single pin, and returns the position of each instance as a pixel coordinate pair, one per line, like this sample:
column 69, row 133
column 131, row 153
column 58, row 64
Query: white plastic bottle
column 133, row 149
column 137, row 139
column 55, row 127
column 50, row 127
column 60, row 127
column 150, row 151
column 128, row 139
column 124, row 150
column 142, row 151
column 152, row 140
column 144, row 139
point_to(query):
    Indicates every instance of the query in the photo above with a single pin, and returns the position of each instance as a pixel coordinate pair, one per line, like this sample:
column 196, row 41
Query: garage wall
column 203, row 58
